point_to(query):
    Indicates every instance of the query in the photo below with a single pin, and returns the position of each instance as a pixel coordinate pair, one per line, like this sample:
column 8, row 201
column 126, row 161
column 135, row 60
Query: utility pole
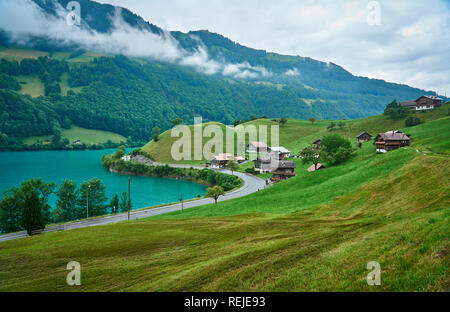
column 182, row 203
column 87, row 202
column 129, row 197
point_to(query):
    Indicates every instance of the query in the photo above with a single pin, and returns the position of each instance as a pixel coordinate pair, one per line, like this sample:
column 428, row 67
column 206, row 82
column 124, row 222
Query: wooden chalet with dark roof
column 285, row 170
column 391, row 140
column 363, row 137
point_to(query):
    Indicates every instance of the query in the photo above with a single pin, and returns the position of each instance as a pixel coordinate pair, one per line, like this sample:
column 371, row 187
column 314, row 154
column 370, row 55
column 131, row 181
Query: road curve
column 251, row 185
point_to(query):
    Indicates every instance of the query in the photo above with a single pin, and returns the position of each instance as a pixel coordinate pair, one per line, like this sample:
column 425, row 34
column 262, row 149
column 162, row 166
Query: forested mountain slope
column 130, row 95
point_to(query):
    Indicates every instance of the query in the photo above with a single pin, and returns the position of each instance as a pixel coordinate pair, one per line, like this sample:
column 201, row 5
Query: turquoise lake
column 80, row 166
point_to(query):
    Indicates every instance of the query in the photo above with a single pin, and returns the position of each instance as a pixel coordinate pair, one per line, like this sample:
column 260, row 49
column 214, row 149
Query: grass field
column 65, row 85
column 325, row 247
column 314, row 232
column 161, row 150
column 33, row 85
column 87, row 136
column 18, row 54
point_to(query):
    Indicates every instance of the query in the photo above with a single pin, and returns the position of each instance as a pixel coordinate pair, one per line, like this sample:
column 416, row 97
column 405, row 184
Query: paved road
column 251, row 185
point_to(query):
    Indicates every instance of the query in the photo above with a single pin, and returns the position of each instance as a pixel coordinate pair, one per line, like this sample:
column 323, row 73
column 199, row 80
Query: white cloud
column 410, row 46
column 292, row 72
column 24, row 18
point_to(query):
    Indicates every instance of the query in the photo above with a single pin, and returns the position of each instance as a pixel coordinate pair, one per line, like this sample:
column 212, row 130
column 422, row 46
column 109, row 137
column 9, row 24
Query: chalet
column 220, row 161
column 257, row 147
column 391, row 140
column 282, row 152
column 363, row 137
column 284, row 170
column 76, row 142
column 316, row 144
column 423, row 103
column 319, row 166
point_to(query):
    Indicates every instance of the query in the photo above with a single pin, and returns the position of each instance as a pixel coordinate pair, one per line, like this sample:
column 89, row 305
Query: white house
column 281, row 151
column 126, row 158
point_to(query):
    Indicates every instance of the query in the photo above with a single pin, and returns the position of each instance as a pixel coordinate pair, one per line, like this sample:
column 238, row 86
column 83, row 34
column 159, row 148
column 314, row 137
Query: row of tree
column 27, row 208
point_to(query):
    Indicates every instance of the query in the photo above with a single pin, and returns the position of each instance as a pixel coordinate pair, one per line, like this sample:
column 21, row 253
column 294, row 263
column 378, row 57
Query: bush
column 412, row 121
column 336, row 149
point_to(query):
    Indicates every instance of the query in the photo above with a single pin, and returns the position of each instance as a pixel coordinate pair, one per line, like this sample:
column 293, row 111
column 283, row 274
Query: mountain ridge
column 212, row 76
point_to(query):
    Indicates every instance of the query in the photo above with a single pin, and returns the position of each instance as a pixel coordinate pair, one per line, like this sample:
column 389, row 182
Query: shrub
column 412, row 121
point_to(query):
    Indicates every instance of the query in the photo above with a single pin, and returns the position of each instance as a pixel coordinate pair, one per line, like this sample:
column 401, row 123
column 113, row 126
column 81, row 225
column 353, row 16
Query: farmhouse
column 285, row 170
column 423, row 103
column 257, row 147
column 282, row 152
column 363, row 137
column 76, row 142
column 220, row 161
column 391, row 140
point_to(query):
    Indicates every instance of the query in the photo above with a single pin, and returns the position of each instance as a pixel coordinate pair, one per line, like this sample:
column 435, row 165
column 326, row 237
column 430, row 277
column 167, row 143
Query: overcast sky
column 408, row 42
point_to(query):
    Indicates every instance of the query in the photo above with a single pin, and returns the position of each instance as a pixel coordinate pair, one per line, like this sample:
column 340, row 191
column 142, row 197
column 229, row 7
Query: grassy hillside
column 161, row 150
column 326, row 247
column 18, row 54
column 316, row 231
column 297, row 134
column 87, row 136
column 31, row 85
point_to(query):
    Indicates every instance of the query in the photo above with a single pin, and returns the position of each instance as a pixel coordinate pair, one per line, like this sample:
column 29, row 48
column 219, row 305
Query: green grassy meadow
column 31, row 85
column 87, row 136
column 314, row 232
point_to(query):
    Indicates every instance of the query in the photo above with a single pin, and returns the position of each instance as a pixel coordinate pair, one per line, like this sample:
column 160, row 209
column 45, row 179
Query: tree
column 10, row 212
column 283, row 121
column 309, row 155
column 32, row 218
column 92, row 192
column 177, row 121
column 123, row 206
column 66, row 204
column 43, row 189
column 232, row 166
column 215, row 192
column 331, row 126
column 341, row 124
column 115, row 204
column 412, row 121
column 155, row 133
column 56, row 137
column 119, row 154
column 312, row 120
column 395, row 110
column 336, row 149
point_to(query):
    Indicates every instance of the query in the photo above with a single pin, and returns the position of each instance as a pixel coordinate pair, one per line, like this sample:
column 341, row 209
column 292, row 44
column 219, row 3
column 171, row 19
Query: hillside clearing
column 87, row 136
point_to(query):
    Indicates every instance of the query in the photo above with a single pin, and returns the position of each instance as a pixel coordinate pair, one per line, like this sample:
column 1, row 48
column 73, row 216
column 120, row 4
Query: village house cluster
column 268, row 159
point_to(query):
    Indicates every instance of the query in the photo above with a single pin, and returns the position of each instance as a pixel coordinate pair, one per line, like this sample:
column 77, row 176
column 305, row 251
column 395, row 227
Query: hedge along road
column 251, row 185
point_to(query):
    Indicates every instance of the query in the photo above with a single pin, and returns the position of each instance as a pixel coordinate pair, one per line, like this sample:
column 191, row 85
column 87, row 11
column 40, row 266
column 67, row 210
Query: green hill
column 297, row 134
column 161, row 150
column 314, row 232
